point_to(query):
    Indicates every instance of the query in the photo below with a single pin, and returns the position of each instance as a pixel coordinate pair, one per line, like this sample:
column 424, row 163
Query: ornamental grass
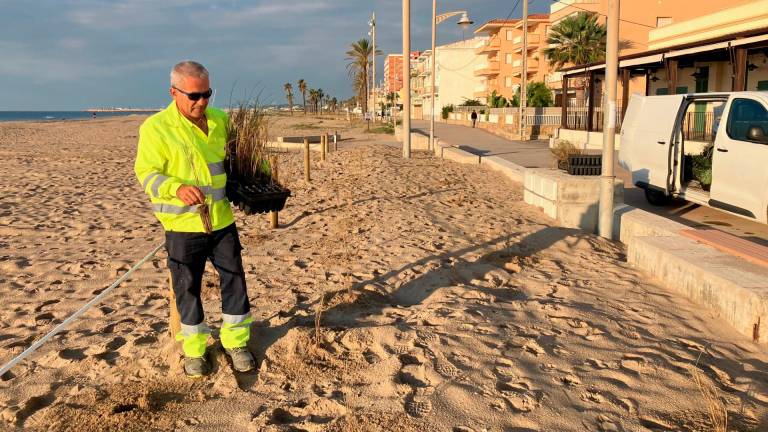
column 247, row 159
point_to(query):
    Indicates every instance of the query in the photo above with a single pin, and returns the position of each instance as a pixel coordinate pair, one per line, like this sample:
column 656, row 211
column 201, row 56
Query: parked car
column 707, row 148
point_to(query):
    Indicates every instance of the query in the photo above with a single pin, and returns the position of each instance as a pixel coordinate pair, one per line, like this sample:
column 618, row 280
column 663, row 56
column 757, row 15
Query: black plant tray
column 257, row 198
column 585, row 165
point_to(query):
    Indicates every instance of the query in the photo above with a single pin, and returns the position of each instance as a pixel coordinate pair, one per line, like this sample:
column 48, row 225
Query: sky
column 78, row 54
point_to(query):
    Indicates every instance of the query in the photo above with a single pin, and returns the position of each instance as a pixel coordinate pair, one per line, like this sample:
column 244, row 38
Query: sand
column 447, row 305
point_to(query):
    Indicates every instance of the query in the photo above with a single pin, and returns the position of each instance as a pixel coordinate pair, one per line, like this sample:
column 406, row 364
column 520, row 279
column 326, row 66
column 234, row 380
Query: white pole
column 524, row 74
column 609, row 120
column 407, row 79
column 373, row 20
column 432, row 78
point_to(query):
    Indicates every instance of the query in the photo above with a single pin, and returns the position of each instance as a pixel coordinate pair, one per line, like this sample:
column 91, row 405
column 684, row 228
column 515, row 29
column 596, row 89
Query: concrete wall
column 585, row 140
column 573, row 201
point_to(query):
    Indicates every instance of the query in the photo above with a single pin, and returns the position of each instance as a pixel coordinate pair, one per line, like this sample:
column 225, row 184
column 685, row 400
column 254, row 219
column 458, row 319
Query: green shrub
column 447, row 109
column 702, row 166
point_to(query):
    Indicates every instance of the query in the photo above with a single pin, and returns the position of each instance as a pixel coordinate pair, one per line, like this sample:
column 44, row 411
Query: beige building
column 638, row 20
column 455, row 79
column 722, row 51
column 502, row 68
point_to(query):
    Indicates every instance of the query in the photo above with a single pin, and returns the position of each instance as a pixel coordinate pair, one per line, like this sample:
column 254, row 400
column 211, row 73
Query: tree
column 303, row 90
column 578, row 39
column 289, row 95
column 537, row 94
column 359, row 57
column 471, row 102
column 320, row 96
column 497, row 101
column 313, row 97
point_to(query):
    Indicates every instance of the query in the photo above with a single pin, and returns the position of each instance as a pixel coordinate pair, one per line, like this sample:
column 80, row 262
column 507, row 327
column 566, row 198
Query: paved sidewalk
column 528, row 154
column 535, row 154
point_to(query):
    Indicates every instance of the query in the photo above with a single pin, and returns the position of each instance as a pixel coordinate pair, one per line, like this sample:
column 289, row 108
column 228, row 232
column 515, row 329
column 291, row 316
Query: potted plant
column 702, row 167
column 251, row 176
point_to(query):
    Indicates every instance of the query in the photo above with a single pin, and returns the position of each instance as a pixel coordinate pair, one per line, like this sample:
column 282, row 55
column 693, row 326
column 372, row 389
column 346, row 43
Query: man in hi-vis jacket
column 180, row 165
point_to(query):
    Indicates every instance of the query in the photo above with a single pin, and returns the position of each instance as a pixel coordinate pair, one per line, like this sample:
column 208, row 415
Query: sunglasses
column 196, row 96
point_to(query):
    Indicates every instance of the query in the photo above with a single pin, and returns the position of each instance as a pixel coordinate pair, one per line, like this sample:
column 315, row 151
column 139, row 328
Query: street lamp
column 372, row 33
column 465, row 23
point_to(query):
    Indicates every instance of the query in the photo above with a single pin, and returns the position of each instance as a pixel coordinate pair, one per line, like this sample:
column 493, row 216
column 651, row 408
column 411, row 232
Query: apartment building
column 393, row 71
column 638, row 19
column 455, row 81
column 502, row 68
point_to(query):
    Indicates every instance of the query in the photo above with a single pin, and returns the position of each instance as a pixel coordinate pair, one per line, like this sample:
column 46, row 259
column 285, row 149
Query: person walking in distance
column 180, row 165
column 473, row 116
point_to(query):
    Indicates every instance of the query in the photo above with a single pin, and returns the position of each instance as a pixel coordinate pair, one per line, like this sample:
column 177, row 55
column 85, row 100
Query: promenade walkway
column 536, row 154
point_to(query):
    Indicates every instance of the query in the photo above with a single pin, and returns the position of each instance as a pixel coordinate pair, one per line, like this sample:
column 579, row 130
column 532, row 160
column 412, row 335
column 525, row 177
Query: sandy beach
column 447, row 305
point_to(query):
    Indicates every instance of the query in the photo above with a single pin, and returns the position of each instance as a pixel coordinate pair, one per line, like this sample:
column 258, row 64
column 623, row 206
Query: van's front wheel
column 657, row 198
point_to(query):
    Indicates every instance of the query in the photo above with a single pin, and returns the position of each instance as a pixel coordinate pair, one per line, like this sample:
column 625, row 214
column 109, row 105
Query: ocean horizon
column 6, row 116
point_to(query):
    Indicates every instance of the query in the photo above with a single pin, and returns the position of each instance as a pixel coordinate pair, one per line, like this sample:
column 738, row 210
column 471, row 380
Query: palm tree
column 320, row 96
column 303, row 90
column 289, row 95
column 313, row 96
column 578, row 40
column 359, row 57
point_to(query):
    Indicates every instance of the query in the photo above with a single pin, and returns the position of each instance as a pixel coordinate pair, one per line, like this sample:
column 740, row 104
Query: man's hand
column 191, row 195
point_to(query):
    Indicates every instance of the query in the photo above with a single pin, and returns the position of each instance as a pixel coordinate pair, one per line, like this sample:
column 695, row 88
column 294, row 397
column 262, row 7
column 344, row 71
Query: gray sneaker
column 242, row 359
column 196, row 367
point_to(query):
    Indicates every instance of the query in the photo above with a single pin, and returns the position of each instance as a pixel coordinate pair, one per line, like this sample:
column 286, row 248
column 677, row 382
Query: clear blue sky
column 75, row 54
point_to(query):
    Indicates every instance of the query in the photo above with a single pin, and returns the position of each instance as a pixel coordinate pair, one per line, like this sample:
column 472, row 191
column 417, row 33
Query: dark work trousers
column 187, row 254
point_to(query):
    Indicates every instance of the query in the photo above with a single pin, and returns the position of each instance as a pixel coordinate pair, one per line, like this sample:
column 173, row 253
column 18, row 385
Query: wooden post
column 307, row 177
column 274, row 221
column 323, row 138
column 174, row 320
column 671, row 76
column 564, row 101
column 740, row 70
column 625, row 77
column 335, row 140
column 590, row 101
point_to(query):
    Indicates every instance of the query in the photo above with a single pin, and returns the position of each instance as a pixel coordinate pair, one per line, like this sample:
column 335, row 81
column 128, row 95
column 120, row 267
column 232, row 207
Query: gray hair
column 187, row 68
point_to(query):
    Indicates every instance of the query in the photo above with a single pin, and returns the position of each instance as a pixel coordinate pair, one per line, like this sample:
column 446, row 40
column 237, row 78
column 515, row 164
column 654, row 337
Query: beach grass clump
column 562, row 150
column 713, row 405
column 247, row 134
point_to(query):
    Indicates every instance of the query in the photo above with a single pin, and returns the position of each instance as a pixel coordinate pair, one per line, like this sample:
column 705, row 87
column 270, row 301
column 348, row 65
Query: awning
column 582, row 70
column 656, row 58
column 697, row 49
column 749, row 40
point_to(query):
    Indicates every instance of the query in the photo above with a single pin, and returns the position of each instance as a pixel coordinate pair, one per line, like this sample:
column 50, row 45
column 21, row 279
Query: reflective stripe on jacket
column 162, row 166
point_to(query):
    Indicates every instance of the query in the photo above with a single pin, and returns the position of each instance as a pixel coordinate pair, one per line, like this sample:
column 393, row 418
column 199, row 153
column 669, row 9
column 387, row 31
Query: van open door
column 648, row 136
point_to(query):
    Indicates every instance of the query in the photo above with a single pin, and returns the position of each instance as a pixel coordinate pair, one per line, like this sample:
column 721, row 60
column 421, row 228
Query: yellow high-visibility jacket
column 167, row 142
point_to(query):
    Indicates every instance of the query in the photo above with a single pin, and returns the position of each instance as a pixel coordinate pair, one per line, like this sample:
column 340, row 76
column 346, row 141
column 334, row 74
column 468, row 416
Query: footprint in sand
column 635, row 363
column 418, row 404
column 46, row 303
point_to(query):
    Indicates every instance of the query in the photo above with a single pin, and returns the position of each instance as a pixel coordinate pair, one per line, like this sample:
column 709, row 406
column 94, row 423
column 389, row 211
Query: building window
column 663, row 21
column 508, row 81
column 508, row 58
column 509, row 35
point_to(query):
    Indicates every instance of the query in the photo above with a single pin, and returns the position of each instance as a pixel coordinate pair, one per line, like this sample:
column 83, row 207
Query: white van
column 669, row 143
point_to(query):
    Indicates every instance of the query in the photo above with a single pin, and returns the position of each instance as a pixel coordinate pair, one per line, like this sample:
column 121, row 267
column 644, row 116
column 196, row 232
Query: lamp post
column 372, row 24
column 407, row 79
column 464, row 22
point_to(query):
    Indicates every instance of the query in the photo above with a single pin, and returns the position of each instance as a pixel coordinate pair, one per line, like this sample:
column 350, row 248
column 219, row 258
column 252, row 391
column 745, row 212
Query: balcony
column 491, row 46
column 532, row 66
column 533, row 42
column 490, row 69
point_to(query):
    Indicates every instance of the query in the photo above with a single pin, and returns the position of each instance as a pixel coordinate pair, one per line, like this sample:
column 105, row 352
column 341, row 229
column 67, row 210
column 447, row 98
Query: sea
column 59, row 115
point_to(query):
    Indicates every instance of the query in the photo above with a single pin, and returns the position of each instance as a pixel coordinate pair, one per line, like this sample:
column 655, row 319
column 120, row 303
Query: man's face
column 194, row 110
